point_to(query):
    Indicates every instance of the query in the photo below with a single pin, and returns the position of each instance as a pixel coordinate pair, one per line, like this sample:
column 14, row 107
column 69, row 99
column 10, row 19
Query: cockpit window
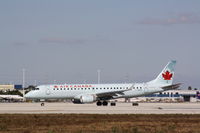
column 35, row 89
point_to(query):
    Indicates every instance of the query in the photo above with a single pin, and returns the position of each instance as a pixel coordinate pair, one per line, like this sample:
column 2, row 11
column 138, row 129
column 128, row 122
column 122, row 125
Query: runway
column 120, row 108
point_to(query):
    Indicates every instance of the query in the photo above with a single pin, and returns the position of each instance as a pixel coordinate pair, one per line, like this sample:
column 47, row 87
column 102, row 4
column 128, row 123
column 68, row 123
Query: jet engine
column 87, row 98
column 84, row 98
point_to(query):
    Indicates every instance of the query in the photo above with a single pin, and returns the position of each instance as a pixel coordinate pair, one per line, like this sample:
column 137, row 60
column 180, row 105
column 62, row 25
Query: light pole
column 98, row 75
column 23, row 82
column 35, row 82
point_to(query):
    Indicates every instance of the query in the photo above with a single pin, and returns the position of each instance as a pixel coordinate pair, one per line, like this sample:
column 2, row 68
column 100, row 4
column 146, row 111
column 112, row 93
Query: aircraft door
column 48, row 91
column 145, row 88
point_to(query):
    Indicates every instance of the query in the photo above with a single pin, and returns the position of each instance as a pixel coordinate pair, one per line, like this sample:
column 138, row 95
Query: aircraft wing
column 109, row 95
column 171, row 87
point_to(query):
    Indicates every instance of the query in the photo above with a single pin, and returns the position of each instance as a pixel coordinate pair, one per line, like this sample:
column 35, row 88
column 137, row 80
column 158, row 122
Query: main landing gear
column 135, row 104
column 105, row 103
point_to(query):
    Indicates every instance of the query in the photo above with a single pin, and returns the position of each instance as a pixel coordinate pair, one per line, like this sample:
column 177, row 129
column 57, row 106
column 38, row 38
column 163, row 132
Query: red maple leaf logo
column 167, row 75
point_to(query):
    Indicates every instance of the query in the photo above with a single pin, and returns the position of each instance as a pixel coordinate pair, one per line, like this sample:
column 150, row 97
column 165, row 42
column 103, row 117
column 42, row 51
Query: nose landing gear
column 42, row 104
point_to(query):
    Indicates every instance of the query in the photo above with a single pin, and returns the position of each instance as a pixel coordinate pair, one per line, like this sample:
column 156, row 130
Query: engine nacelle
column 87, row 98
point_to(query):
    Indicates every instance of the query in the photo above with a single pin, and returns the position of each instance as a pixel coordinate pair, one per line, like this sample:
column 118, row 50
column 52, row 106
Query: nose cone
column 28, row 95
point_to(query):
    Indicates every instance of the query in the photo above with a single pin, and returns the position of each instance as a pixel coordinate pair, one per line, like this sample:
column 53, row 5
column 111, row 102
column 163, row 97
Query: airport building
column 175, row 95
column 170, row 96
column 10, row 87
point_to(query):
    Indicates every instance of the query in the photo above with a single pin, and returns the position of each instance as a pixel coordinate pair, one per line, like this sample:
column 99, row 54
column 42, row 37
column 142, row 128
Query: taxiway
column 120, row 108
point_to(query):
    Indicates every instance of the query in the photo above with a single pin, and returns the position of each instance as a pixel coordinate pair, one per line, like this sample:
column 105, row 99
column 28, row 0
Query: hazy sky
column 66, row 41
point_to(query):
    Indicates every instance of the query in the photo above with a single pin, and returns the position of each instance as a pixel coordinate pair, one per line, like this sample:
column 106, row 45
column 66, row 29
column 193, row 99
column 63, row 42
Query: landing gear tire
column 135, row 104
column 105, row 103
column 112, row 104
column 42, row 104
column 99, row 103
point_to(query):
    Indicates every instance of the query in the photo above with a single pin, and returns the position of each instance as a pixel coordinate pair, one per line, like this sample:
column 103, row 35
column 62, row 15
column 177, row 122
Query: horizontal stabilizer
column 172, row 87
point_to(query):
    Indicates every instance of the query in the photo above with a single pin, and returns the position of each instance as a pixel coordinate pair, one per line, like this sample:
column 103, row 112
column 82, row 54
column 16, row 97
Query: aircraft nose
column 28, row 95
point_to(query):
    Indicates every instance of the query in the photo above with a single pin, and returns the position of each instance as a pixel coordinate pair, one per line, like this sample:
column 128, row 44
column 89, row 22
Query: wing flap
column 111, row 94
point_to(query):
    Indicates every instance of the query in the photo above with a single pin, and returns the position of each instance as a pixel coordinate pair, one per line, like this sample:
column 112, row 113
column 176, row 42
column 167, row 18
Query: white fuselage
column 71, row 91
column 86, row 93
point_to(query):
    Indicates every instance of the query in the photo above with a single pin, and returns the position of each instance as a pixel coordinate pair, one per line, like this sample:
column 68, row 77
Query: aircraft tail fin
column 166, row 76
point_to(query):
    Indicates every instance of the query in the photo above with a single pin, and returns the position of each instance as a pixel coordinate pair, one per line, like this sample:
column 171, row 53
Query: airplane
column 11, row 97
column 102, row 93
